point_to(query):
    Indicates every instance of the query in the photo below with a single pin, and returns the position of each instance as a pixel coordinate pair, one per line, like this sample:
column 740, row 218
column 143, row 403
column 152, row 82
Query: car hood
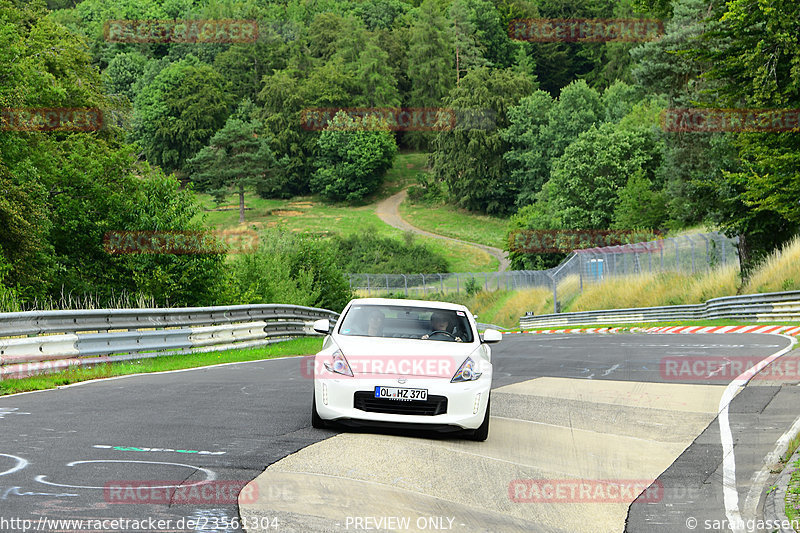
column 369, row 356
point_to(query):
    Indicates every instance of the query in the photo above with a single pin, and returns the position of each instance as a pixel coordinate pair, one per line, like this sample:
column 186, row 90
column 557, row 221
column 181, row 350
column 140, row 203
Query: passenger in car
column 375, row 320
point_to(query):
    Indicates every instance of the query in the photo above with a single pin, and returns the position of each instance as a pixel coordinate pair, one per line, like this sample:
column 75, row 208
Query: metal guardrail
column 755, row 307
column 34, row 342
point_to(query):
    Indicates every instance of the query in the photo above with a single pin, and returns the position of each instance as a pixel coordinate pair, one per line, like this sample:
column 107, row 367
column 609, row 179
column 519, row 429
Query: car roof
column 410, row 303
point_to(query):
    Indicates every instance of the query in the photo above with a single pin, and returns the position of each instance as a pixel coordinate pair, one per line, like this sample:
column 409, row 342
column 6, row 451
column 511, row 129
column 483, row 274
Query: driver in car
column 440, row 325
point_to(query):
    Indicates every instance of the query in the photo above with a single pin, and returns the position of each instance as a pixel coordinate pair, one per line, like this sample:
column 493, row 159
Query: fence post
column 369, row 293
column 387, row 284
column 424, row 288
column 677, row 261
column 555, row 294
column 693, row 265
column 441, row 282
column 708, row 259
column 458, row 287
column 405, row 283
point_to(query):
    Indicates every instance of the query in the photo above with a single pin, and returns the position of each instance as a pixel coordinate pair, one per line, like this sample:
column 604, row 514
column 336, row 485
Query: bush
column 368, row 253
column 290, row 269
column 353, row 159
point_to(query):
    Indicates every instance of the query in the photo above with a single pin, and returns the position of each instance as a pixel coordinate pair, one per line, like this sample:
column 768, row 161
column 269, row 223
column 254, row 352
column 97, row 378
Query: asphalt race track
column 599, row 412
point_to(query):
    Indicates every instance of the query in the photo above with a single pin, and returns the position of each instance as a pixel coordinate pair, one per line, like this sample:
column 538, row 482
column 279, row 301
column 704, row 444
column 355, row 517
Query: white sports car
column 404, row 363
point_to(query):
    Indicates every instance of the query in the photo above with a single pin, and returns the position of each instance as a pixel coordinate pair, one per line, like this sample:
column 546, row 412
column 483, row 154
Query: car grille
column 366, row 401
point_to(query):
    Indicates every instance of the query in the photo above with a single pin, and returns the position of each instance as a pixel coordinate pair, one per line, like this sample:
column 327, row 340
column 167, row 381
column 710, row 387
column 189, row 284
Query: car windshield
column 406, row 322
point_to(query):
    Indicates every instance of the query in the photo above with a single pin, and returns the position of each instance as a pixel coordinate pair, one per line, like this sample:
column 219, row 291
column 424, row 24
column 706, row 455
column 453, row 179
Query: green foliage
column 470, row 157
column 289, row 268
column 368, row 253
column 237, row 156
column 472, row 287
column 122, row 73
column 526, row 136
column 754, row 59
column 431, row 66
column 639, row 205
column 354, row 155
column 586, row 180
column 179, row 111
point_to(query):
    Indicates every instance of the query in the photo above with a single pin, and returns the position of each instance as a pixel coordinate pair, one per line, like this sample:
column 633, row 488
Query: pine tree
column 236, row 157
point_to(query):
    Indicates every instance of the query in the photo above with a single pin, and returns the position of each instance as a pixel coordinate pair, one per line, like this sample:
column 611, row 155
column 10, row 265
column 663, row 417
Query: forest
column 576, row 140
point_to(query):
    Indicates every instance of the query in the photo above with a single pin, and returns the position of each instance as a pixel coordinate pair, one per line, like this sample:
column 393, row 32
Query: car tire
column 316, row 421
column 482, row 433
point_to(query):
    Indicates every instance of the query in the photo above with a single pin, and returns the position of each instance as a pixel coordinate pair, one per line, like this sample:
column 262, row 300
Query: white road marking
column 21, row 463
column 210, row 474
column 610, row 370
column 729, row 492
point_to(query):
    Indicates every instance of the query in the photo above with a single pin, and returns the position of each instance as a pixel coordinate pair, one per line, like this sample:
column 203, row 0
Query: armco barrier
column 35, row 342
column 754, row 307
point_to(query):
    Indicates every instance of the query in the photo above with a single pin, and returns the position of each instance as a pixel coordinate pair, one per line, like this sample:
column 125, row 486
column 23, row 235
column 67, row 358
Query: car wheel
column 316, row 421
column 482, row 432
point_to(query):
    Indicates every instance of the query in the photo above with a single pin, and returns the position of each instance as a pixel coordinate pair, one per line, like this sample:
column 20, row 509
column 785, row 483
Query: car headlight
column 466, row 372
column 339, row 364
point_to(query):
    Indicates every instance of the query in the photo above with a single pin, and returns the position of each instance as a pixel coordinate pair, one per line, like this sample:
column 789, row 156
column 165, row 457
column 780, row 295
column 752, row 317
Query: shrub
column 368, row 253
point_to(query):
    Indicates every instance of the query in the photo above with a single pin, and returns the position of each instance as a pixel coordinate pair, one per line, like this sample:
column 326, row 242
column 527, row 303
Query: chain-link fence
column 688, row 253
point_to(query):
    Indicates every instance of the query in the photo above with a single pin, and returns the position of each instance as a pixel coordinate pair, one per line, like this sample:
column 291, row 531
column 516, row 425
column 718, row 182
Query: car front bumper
column 466, row 402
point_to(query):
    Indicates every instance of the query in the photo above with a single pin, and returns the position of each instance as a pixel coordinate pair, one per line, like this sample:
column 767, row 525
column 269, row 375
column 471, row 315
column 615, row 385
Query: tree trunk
column 241, row 203
column 744, row 257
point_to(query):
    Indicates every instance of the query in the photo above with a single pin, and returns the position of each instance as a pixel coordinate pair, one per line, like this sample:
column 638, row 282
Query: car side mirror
column 491, row 336
column 323, row 325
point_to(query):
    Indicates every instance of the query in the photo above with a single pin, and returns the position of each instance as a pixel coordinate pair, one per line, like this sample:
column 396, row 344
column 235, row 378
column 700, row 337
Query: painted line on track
column 729, row 491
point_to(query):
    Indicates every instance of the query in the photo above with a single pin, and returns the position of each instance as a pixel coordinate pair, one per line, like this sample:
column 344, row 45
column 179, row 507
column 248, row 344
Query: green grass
column 406, row 167
column 311, row 215
column 301, row 346
column 456, row 223
column 792, row 508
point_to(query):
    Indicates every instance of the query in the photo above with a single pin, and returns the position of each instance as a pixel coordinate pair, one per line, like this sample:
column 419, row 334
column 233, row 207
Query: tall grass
column 648, row 290
column 123, row 300
column 780, row 271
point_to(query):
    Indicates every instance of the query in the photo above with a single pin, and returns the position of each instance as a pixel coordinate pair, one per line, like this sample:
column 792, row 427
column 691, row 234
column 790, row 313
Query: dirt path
column 388, row 211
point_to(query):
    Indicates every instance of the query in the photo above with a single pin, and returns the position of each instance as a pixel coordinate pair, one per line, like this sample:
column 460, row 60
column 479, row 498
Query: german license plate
column 400, row 393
